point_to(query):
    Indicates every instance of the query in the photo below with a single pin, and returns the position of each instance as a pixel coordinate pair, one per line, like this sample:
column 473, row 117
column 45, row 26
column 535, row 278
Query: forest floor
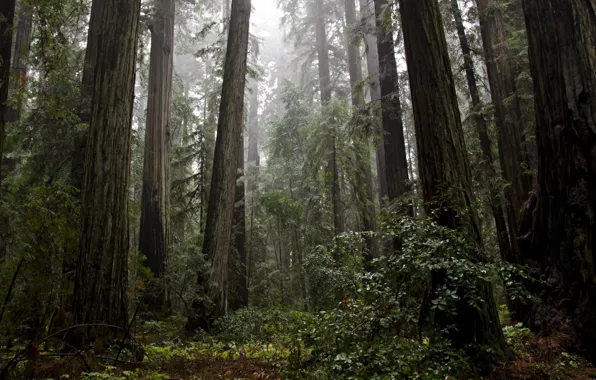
column 167, row 354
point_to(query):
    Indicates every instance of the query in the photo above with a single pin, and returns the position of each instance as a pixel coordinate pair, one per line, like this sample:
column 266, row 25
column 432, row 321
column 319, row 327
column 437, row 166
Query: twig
column 8, row 294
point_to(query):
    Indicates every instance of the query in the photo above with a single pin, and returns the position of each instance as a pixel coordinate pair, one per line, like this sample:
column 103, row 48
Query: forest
column 297, row 189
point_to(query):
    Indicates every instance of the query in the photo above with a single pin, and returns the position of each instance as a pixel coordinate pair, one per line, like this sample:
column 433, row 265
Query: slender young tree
column 367, row 209
column 253, row 136
column 488, row 164
column 102, row 265
column 396, row 165
column 220, row 211
column 367, row 8
column 325, row 90
column 445, row 174
column 558, row 228
column 153, row 235
column 6, row 25
column 514, row 161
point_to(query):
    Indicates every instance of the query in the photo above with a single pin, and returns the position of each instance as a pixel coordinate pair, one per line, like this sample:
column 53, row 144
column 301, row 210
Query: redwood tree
column 367, row 9
column 153, row 236
column 325, row 90
column 560, row 232
column 365, row 192
column 488, row 165
column 77, row 170
column 102, row 265
column 6, row 24
column 396, row 166
column 514, row 161
column 220, row 209
column 445, row 175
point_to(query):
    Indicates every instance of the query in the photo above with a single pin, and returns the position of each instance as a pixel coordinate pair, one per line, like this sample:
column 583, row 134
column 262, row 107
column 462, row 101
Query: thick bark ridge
column 560, row 233
column 445, row 174
column 220, row 209
column 101, row 273
column 153, row 235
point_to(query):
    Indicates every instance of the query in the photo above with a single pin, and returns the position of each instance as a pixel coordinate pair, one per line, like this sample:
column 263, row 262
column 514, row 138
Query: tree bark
column 560, row 234
column 515, row 162
column 154, row 231
column 396, row 165
column 488, row 164
column 220, row 211
column 101, row 273
column 367, row 9
column 445, row 174
column 7, row 9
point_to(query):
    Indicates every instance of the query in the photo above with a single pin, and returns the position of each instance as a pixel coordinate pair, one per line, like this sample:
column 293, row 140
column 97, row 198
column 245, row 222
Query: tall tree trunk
column 220, row 211
column 367, row 9
column 7, row 8
column 253, row 169
column 77, row 169
column 488, row 164
column 101, row 273
column 396, row 165
column 366, row 191
column 325, row 89
column 560, row 232
column 515, row 163
column 6, row 25
column 253, row 137
column 154, row 231
column 20, row 56
column 445, row 174
column 240, row 296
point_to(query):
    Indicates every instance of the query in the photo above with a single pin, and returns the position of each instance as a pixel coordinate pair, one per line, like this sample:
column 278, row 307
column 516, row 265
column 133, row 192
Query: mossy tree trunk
column 560, row 232
column 445, row 174
column 101, row 272
column 153, row 235
column 396, row 165
column 220, row 211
